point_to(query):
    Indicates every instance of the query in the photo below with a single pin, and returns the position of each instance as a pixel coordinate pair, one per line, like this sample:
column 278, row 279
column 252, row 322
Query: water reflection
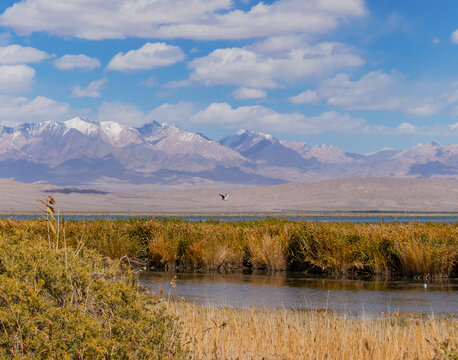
column 352, row 219
column 354, row 296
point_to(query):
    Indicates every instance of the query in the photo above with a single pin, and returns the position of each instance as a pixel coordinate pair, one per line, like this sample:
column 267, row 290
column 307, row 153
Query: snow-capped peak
column 39, row 128
column 85, row 127
column 112, row 128
column 255, row 134
column 379, row 151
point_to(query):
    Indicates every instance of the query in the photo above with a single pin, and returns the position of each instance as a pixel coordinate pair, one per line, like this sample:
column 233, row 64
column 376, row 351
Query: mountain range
column 79, row 152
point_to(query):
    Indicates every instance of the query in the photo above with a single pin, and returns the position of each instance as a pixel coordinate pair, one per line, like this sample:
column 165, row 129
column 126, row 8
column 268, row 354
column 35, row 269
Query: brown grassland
column 66, row 292
column 224, row 333
column 383, row 249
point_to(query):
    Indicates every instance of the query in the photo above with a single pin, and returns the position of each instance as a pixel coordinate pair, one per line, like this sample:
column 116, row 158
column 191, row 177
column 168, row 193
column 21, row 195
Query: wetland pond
column 295, row 290
column 361, row 218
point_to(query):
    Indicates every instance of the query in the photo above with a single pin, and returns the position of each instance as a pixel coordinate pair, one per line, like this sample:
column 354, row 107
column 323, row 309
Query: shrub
column 60, row 304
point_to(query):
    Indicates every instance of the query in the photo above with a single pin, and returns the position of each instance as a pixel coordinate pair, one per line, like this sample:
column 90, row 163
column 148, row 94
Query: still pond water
column 295, row 290
column 353, row 219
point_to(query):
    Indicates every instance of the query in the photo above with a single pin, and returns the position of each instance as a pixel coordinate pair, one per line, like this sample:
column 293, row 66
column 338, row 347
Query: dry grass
column 414, row 250
column 224, row 333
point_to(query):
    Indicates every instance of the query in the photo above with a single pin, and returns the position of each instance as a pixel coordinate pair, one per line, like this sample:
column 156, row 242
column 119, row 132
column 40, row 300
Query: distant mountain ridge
column 81, row 152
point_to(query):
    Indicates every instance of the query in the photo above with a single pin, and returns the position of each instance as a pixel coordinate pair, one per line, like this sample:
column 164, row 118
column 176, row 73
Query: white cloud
column 436, row 41
column 16, row 54
column 92, row 90
column 15, row 110
column 172, row 113
column 244, row 93
column 376, row 90
column 16, row 78
column 195, row 19
column 373, row 91
column 279, row 18
column 407, row 128
column 149, row 56
column 279, row 44
column 248, row 68
column 305, row 97
column 72, row 62
column 424, row 108
column 129, row 114
column 259, row 117
column 454, row 37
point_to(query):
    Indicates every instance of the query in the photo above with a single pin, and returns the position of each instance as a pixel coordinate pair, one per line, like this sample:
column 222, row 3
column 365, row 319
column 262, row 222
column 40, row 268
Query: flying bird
column 224, row 197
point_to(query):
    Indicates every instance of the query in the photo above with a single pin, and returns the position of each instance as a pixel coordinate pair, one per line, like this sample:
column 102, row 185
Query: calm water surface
column 293, row 290
column 352, row 219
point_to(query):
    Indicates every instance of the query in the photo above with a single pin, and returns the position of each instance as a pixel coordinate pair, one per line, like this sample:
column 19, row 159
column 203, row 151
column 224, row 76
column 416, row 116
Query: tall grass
column 62, row 297
column 225, row 333
column 413, row 250
column 59, row 302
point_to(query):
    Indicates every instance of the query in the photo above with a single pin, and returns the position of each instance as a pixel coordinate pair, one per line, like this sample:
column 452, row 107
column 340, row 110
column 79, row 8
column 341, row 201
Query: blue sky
column 361, row 75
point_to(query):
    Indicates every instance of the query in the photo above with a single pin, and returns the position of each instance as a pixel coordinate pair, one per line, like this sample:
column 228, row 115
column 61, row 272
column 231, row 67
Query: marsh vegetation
column 67, row 290
column 427, row 250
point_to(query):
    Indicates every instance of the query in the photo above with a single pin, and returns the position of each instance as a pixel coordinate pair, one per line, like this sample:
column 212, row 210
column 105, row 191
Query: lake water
column 294, row 290
column 353, row 219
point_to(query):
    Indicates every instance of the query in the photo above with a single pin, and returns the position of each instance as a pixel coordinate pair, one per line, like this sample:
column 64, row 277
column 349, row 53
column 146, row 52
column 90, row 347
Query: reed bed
column 418, row 250
column 225, row 333
column 62, row 297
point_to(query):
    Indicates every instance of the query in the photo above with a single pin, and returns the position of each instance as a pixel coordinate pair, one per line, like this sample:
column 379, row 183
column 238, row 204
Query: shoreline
column 280, row 214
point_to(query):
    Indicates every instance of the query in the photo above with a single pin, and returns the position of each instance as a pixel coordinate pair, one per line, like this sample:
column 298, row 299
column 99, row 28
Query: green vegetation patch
column 71, row 303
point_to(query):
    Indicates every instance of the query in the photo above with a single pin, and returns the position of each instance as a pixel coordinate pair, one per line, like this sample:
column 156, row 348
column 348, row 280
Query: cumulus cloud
column 305, row 97
column 14, row 110
column 279, row 18
column 16, row 54
column 260, row 117
column 149, row 56
column 129, row 114
column 424, row 108
column 72, row 62
column 454, row 37
column 92, row 90
column 253, row 69
column 172, row 113
column 16, row 78
column 196, row 19
column 376, row 90
column 407, row 128
column 244, row 93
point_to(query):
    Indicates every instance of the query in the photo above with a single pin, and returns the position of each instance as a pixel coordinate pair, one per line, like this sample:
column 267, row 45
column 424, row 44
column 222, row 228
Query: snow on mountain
column 79, row 151
column 83, row 126
column 244, row 140
column 265, row 150
column 175, row 141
